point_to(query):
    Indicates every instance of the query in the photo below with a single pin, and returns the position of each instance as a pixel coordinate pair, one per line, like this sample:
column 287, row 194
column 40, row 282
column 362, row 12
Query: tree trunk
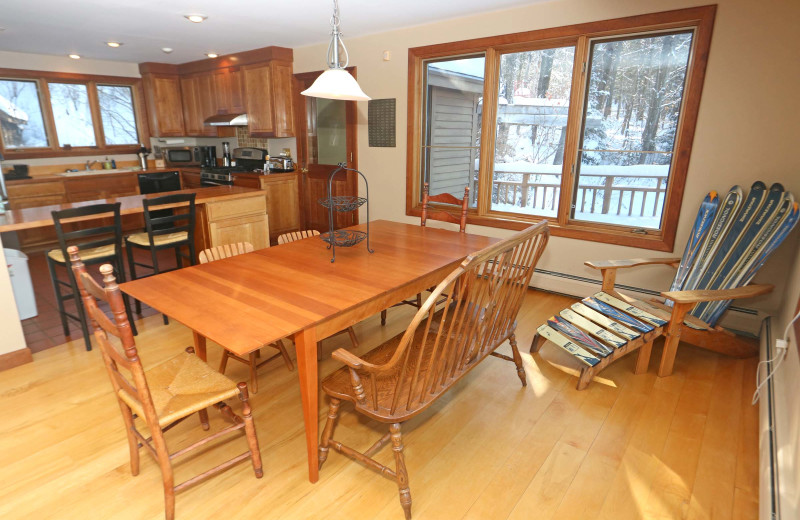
column 545, row 72
column 654, row 104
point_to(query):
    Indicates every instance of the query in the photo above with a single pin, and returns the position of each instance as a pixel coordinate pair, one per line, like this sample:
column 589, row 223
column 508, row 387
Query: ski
column 702, row 224
column 722, row 222
column 592, row 328
column 750, row 209
column 578, row 336
column 611, row 312
column 774, row 231
column 552, row 335
column 630, row 309
column 774, row 205
column 605, row 321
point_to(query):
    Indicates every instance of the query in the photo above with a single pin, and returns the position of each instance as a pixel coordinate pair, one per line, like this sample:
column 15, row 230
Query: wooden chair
column 405, row 375
column 164, row 395
column 100, row 241
column 167, row 227
column 437, row 214
column 308, row 233
column 227, row 251
column 674, row 323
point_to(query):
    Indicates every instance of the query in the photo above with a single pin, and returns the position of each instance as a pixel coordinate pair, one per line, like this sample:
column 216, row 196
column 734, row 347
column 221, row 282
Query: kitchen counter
column 93, row 173
column 30, row 218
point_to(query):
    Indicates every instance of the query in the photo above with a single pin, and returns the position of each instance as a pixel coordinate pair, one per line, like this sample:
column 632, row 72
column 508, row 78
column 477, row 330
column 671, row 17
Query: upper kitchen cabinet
column 164, row 104
column 199, row 103
column 268, row 99
column 229, row 91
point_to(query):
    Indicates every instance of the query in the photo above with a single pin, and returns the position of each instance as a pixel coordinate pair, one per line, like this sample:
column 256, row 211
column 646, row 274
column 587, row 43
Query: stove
column 247, row 160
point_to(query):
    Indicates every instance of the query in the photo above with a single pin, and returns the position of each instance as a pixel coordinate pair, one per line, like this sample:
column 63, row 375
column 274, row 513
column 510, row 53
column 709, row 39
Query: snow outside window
column 21, row 119
column 72, row 115
column 116, row 111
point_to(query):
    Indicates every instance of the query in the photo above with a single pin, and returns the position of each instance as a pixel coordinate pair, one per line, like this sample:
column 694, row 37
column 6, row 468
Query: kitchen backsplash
column 273, row 146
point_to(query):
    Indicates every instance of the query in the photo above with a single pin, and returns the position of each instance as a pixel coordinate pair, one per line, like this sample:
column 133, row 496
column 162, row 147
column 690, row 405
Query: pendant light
column 336, row 82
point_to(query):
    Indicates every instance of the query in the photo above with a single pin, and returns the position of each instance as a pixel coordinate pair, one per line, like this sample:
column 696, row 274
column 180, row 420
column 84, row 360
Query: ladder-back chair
column 164, row 395
column 405, row 375
column 227, row 251
column 293, row 236
column 437, row 213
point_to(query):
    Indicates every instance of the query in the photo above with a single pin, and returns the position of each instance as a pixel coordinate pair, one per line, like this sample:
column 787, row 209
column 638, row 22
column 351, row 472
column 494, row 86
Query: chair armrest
column 348, row 358
column 697, row 296
column 633, row 262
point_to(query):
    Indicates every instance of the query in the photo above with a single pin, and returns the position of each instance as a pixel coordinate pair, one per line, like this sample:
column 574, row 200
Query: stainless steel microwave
column 191, row 156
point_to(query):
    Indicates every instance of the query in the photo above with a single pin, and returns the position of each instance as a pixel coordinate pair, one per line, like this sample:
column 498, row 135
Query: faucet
column 88, row 165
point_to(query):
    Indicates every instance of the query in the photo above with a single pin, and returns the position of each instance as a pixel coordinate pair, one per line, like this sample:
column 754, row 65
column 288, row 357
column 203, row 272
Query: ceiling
column 62, row 27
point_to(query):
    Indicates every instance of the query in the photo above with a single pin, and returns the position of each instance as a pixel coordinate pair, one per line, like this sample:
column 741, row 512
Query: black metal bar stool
column 167, row 228
column 100, row 241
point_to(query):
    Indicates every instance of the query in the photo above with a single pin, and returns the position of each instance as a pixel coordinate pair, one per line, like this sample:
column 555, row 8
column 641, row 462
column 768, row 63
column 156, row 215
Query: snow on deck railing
column 619, row 191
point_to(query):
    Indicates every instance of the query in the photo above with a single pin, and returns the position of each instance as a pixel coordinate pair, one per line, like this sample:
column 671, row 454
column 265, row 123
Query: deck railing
column 623, row 195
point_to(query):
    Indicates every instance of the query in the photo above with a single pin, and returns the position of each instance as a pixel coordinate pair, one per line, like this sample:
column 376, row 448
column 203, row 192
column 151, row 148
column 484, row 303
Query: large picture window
column 588, row 126
column 45, row 114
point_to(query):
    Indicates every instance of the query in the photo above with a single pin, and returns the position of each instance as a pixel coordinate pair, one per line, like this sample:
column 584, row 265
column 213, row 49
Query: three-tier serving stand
column 342, row 204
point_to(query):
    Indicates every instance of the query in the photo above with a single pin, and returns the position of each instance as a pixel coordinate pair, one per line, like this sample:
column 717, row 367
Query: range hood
column 227, row 120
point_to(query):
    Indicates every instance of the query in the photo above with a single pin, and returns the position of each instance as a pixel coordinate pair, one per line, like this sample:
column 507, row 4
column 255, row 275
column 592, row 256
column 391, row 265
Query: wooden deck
column 629, row 446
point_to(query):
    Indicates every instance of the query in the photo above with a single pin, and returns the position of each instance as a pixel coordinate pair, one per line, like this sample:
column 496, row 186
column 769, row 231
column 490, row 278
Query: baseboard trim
column 737, row 318
column 15, row 358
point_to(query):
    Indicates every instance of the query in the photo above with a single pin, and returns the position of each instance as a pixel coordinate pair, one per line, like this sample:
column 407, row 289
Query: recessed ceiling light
column 166, row 50
column 114, row 44
column 212, row 54
column 196, row 18
column 75, row 56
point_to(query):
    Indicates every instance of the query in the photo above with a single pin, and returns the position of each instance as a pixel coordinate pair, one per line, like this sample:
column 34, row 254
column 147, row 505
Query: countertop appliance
column 247, row 160
column 190, row 156
column 281, row 163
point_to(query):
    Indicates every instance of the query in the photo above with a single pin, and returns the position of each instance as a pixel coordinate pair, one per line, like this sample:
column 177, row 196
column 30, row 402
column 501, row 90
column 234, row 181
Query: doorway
column 326, row 136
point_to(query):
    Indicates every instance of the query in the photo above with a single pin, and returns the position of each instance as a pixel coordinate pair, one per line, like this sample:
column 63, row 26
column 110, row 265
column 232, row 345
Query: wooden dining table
column 294, row 290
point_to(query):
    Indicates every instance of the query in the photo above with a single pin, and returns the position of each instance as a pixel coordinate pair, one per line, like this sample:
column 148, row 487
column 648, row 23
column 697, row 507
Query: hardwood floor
column 629, row 446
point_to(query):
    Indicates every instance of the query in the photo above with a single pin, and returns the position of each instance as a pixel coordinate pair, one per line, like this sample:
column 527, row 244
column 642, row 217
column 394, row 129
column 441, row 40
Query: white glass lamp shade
column 336, row 84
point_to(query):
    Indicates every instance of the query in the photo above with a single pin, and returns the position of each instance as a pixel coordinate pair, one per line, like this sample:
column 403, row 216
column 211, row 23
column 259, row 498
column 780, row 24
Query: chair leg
column 87, row 338
column 517, row 360
column 156, row 270
column 353, row 338
column 51, row 266
column 223, row 363
column 400, row 469
column 327, row 432
column 133, row 441
column 132, row 268
column 250, row 431
column 536, row 343
column 643, row 358
column 383, row 317
column 253, row 372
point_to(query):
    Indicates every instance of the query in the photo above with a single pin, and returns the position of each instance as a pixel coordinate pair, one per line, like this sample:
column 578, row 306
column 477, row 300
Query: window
column 45, row 114
column 587, row 126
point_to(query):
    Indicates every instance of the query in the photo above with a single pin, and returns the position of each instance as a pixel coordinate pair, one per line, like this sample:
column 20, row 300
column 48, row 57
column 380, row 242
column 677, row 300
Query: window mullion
column 97, row 122
column 491, row 85
column 47, row 114
column 574, row 125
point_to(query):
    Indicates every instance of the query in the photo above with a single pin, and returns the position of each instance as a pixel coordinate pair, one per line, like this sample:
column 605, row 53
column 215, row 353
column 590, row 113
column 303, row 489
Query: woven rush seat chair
column 227, row 251
column 164, row 395
column 403, row 377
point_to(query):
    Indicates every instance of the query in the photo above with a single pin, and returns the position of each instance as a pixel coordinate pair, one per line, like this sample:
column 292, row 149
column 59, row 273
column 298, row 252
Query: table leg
column 306, row 346
column 200, row 345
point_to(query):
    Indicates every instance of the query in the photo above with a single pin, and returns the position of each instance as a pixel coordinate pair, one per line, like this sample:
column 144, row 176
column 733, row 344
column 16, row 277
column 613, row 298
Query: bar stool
column 167, row 228
column 99, row 244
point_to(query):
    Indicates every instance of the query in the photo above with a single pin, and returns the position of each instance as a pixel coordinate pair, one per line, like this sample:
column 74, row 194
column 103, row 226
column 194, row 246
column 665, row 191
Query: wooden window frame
column 700, row 19
column 53, row 149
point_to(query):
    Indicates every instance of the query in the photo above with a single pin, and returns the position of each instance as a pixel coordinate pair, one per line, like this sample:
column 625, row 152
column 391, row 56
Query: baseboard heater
column 739, row 319
column 768, row 442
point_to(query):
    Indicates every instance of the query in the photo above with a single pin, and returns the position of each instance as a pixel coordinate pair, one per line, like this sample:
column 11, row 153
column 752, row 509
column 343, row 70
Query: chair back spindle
column 224, row 251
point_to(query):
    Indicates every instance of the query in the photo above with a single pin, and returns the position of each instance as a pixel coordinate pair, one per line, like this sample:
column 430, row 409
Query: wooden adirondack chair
column 679, row 326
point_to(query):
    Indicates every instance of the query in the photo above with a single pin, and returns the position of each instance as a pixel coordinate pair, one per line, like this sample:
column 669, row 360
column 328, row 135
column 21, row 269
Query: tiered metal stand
column 342, row 204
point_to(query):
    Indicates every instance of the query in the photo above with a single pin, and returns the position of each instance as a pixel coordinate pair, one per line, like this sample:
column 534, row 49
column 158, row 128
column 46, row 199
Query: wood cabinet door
column 190, row 180
column 191, row 105
column 257, row 80
column 207, row 102
column 250, row 228
column 164, row 103
column 282, row 99
column 283, row 203
column 236, row 91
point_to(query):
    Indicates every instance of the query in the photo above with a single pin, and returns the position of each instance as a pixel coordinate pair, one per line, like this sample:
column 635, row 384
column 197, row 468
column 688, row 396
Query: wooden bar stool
column 170, row 222
column 227, row 251
column 100, row 241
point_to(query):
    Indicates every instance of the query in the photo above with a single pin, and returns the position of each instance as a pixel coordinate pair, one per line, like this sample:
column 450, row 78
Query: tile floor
column 45, row 330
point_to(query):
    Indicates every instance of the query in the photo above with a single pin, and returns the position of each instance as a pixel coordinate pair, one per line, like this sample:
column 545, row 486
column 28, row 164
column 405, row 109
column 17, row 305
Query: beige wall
column 22, row 60
column 743, row 133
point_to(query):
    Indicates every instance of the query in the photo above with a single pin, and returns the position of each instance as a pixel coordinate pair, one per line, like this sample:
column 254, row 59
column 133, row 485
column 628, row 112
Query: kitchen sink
column 95, row 172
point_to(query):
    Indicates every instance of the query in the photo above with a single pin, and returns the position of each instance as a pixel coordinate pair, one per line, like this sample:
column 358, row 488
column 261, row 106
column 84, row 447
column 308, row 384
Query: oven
column 215, row 178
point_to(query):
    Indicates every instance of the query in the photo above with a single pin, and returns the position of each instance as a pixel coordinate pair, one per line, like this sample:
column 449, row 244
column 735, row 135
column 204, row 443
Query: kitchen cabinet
column 268, row 99
column 282, row 199
column 228, row 91
column 164, row 104
column 231, row 221
column 199, row 103
column 190, row 179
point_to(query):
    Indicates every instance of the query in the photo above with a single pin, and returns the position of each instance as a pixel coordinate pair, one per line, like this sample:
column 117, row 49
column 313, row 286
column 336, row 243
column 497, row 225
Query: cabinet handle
column 304, row 170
